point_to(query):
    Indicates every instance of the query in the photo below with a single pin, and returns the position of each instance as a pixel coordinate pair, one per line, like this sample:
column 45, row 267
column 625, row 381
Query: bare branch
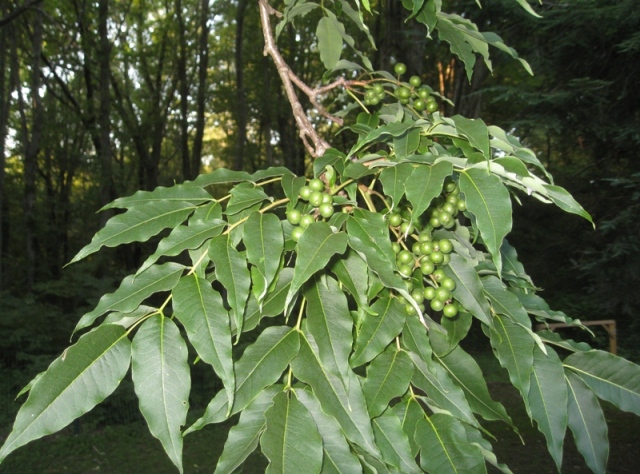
column 313, row 142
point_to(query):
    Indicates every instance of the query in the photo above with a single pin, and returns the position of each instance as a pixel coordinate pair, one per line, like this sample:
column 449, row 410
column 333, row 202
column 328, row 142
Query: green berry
column 400, row 68
column 436, row 304
column 427, row 267
column 294, row 216
column 306, row 220
column 305, row 192
column 429, row 293
column 326, row 210
column 316, row 184
column 450, row 310
column 296, row 233
column 394, row 219
column 445, row 246
column 448, row 284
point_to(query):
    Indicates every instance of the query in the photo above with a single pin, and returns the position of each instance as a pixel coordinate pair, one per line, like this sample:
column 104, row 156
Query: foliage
column 352, row 371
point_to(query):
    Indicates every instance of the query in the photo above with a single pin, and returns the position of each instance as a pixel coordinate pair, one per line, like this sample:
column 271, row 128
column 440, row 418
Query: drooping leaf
column 264, row 241
column 548, row 400
column 369, row 236
column 222, row 176
column 338, row 458
column 315, row 248
column 201, row 311
column 84, row 375
column 348, row 407
column 138, row 224
column 162, row 382
column 414, row 338
column 409, row 412
column 271, row 172
column 260, row 366
column 388, row 377
column 291, row 440
column 488, row 200
column 466, row 373
column 503, row 302
column 425, row 184
column 469, row 289
column 329, row 36
column 231, row 270
column 244, row 437
column 133, row 290
column 378, row 329
column 475, row 130
column 444, row 447
column 393, row 179
column 514, row 349
column 352, row 274
column 184, row 238
column 330, row 323
column 180, row 192
column 244, row 196
column 273, row 304
column 587, row 423
column 612, row 378
column 291, row 186
column 566, row 202
column 432, row 379
column 406, row 144
column 394, row 444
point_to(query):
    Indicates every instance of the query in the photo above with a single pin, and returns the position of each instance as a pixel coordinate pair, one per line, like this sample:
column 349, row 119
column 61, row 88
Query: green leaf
column 261, row 365
column 432, row 378
column 566, row 202
column 393, row 179
column 612, row 378
column 222, row 176
column 330, row 324
column 425, row 184
column 458, row 41
column 351, row 271
column 369, row 236
column 338, row 458
column 291, row 186
column 291, row 440
column 138, row 224
column 180, row 192
column 347, row 406
column 133, row 290
column 409, row 412
column 184, row 238
column 444, row 447
column 513, row 347
column 271, row 172
column 394, row 129
column 414, row 338
column 86, row 373
column 488, row 200
column 469, row 290
column 273, row 304
column 243, row 196
column 466, row 373
column 162, row 382
column 388, row 377
column 587, row 423
column 232, row 272
column 201, row 311
column 503, row 302
column 476, row 132
column 314, row 250
column 548, row 400
column 394, row 444
column 376, row 332
column 244, row 436
column 406, row 144
column 264, row 241
column 329, row 33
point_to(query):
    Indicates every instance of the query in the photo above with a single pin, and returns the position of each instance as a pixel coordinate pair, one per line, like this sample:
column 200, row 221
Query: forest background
column 101, row 98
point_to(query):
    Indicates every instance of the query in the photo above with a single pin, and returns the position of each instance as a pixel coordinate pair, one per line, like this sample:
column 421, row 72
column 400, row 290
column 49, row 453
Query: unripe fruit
column 403, row 93
column 427, row 267
column 426, row 248
column 395, row 219
column 326, row 210
column 405, row 270
column 415, row 81
column 405, row 257
column 424, row 93
column 315, row 199
column 306, row 220
column 450, row 310
column 425, row 237
column 429, row 293
column 327, row 198
column 447, row 259
column 378, row 88
column 445, row 246
column 448, row 283
column 419, row 105
column 436, row 257
column 407, row 227
column 450, row 186
column 316, row 184
column 415, row 248
column 305, row 192
column 432, row 106
column 296, row 233
column 436, row 304
column 294, row 216
column 443, row 294
column 418, row 295
column 461, row 205
column 439, row 274
column 409, row 309
column 396, row 247
column 400, row 68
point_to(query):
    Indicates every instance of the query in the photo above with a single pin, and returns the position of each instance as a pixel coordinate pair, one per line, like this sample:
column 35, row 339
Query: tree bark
column 241, row 105
column 203, row 65
column 104, row 113
column 183, row 91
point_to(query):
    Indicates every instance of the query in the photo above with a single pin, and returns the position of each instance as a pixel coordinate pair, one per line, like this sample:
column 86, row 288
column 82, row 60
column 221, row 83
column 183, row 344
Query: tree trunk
column 203, row 65
column 241, row 106
column 104, row 114
column 183, row 91
column 32, row 147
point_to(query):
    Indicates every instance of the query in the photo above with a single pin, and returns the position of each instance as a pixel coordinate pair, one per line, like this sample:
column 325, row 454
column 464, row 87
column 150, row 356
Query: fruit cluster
column 320, row 201
column 420, row 258
column 420, row 98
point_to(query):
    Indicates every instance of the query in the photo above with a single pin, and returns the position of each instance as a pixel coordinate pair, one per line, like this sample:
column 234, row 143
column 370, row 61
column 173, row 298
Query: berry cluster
column 420, row 98
column 420, row 258
column 321, row 202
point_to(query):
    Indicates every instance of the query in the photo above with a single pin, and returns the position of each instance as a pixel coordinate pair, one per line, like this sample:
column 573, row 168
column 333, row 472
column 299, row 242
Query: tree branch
column 313, row 142
column 18, row 11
